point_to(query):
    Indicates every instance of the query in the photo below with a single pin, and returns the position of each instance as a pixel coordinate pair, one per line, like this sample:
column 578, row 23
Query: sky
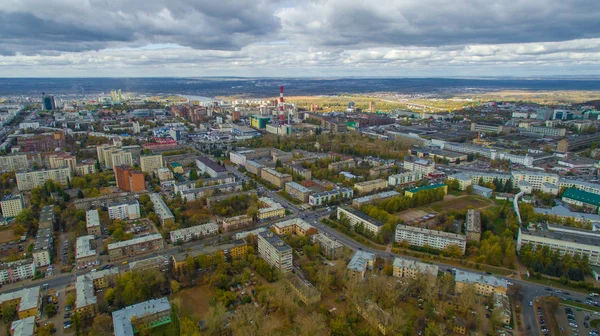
column 272, row 38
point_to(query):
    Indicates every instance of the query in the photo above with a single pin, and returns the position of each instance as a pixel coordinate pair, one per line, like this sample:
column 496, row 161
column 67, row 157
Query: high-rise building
column 128, row 180
column 30, row 180
column 275, row 251
column 49, row 102
column 149, row 163
column 11, row 205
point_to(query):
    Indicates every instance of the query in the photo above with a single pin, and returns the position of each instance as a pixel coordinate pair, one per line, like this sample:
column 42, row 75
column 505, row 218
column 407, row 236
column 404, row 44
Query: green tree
column 102, row 326
column 193, row 174
column 9, row 313
column 50, row 309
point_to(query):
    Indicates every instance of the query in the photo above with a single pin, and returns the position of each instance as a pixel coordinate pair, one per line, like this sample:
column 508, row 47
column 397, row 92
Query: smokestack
column 281, row 115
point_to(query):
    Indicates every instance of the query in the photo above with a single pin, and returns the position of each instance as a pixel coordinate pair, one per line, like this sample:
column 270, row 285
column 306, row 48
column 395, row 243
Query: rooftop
column 91, row 218
column 274, row 241
column 582, row 196
column 29, row 297
column 473, row 278
column 47, row 214
column 561, row 211
column 270, row 205
column 83, row 247
column 331, row 192
column 43, row 239
column 430, row 232
column 380, row 195
column 121, row 203
column 362, row 216
column 366, row 183
column 24, row 327
column 566, row 234
column 211, row 164
column 11, row 197
column 427, row 187
column 422, row 267
column 122, row 318
column 151, row 237
column 298, row 187
column 84, row 290
column 359, row 261
column 294, row 221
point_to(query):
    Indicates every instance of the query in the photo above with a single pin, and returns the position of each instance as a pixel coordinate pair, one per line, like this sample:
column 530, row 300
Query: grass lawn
column 556, row 284
column 462, row 203
column 580, row 305
column 6, row 234
column 165, row 330
column 195, row 300
column 595, row 323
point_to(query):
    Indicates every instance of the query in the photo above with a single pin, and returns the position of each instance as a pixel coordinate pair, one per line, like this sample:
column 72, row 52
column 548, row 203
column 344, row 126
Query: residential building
column 92, row 223
column 119, row 157
column 124, row 210
column 535, row 178
column 47, row 217
column 26, row 301
column 473, row 224
column 275, row 251
column 304, row 290
column 358, row 202
column 85, row 254
column 16, row 271
column 485, row 285
column 269, row 209
column 330, row 248
column 414, row 191
column 14, row 162
column 59, row 159
column 562, row 239
column 593, row 188
column 86, row 303
column 464, row 180
column 549, row 131
column 254, row 167
column 161, row 209
column 135, row 246
column 149, row 163
column 32, row 179
column 322, row 198
column 39, row 143
column 141, row 316
column 85, row 167
column 502, row 303
column 576, row 197
column 361, row 262
column 375, row 316
column 404, row 178
column 239, row 249
column 411, row 269
column 370, row 186
column 193, row 233
column 129, row 180
column 11, row 205
column 417, row 165
column 341, row 165
column 24, row 327
column 103, row 278
column 164, row 174
column 422, row 237
column 104, row 200
column 237, row 222
column 298, row 191
column 43, row 245
column 550, row 189
column 355, row 217
column 294, row 226
column 298, row 170
column 274, row 177
column 159, row 263
column 210, row 167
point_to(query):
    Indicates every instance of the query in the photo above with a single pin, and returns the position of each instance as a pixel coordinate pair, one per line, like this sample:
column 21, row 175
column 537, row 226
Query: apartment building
column 548, row 131
column 210, row 167
column 414, row 191
column 135, row 246
column 32, row 179
column 16, row 271
column 85, row 254
column 105, row 200
column 11, row 205
column 120, row 158
column 236, row 223
column 47, row 217
column 196, row 193
column 370, row 186
column 275, row 251
column 59, row 159
column 417, row 165
column 294, row 226
column 422, row 237
column 104, row 278
column 141, row 316
column 26, row 301
column 330, row 248
column 562, row 239
column 502, row 303
column 24, row 327
column 322, row 198
column 581, row 198
column 304, row 290
column 86, row 303
column 358, row 202
column 274, row 177
column 129, row 180
column 298, row 191
column 193, row 233
column 355, row 217
column 92, row 223
column 405, row 178
column 485, row 285
column 269, row 209
column 299, row 170
column 473, row 224
column 341, row 165
column 254, row 167
column 149, row 163
column 43, row 245
column 464, row 180
column 124, row 210
column 593, row 188
column 361, row 262
column 411, row 269
column 161, row 209
column 535, row 178
column 14, row 162
column 375, row 316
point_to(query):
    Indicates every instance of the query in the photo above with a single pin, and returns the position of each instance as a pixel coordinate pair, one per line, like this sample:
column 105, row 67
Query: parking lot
column 575, row 321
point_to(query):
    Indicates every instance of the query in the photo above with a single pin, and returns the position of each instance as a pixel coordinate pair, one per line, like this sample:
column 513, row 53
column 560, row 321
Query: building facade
column 275, row 251
column 431, row 238
column 125, row 210
column 11, row 205
column 136, row 246
column 32, row 179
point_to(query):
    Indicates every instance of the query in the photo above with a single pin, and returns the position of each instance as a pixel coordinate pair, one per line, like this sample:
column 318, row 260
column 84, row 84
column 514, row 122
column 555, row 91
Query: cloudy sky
column 403, row 38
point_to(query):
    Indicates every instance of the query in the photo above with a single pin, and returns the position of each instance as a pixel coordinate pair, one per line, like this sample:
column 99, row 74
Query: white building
column 16, row 271
column 405, row 178
column 124, row 211
column 32, row 179
column 322, row 198
column 11, row 205
column 422, row 237
column 357, row 218
column 161, row 209
column 275, row 251
column 405, row 268
column 194, row 232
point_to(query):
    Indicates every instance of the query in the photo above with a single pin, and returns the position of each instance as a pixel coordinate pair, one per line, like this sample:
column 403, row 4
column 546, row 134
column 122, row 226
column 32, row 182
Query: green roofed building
column 351, row 125
column 413, row 191
column 581, row 198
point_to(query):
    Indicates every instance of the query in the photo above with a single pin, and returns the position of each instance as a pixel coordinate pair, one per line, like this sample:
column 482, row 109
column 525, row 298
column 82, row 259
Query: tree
column 109, row 296
column 174, row 286
column 70, row 300
column 9, row 313
column 45, row 330
column 50, row 309
column 76, row 319
column 102, row 326
column 216, row 319
column 193, row 174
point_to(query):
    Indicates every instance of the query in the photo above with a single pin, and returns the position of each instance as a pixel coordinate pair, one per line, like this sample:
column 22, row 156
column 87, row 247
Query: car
column 531, row 303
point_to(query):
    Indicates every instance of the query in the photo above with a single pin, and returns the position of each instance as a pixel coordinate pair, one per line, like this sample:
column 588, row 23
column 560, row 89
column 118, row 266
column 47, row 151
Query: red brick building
column 129, row 180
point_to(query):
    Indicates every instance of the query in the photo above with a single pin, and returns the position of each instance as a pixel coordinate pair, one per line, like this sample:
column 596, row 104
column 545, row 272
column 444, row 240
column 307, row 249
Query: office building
column 370, row 186
column 85, row 254
column 535, row 178
column 37, row 178
column 124, row 210
column 322, row 198
column 210, row 167
column 298, row 191
column 269, row 209
column 411, row 269
column 274, row 177
column 162, row 210
column 148, row 163
column 24, row 327
column 129, row 180
column 361, row 262
column 26, row 301
column 438, row 187
column 16, row 271
column 330, row 248
column 485, row 285
column 142, row 316
column 193, row 233
column 562, row 239
column 48, row 102
column 576, row 197
column 473, row 224
column 355, row 217
column 422, row 237
column 92, row 222
column 464, row 180
column 404, row 178
column 43, row 245
column 135, row 246
column 275, row 251
column 11, row 205
column 294, row 226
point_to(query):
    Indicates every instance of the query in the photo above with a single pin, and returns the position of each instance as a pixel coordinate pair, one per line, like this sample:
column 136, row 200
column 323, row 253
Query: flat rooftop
column 92, row 218
column 566, row 234
column 362, row 216
column 151, row 237
column 275, row 241
column 83, row 247
column 359, row 261
column 472, row 278
column 122, row 318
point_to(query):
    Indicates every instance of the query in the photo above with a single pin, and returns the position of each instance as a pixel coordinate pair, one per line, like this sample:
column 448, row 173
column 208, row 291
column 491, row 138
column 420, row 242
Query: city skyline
column 285, row 39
